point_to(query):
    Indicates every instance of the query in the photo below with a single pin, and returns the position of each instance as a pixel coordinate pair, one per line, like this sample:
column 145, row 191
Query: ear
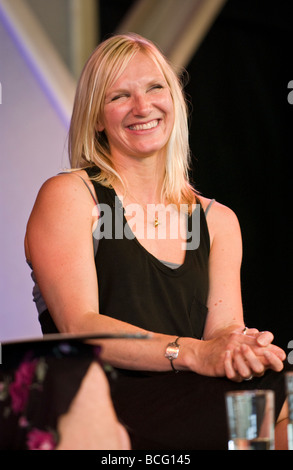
column 99, row 127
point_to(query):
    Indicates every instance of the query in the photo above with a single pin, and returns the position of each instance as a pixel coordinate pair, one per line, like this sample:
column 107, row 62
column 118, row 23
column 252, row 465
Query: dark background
column 241, row 141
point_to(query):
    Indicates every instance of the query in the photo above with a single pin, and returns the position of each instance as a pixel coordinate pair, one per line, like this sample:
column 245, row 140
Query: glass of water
column 289, row 389
column 251, row 416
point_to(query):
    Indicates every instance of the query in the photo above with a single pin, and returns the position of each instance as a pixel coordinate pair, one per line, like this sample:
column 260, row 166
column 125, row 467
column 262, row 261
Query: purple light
column 31, row 63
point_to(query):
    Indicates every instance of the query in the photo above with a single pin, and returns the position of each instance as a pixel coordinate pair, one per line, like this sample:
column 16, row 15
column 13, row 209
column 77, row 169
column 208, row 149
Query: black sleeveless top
column 137, row 288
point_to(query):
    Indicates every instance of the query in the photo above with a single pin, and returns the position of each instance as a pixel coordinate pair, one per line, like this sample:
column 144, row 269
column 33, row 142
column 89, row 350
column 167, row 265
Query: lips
column 145, row 126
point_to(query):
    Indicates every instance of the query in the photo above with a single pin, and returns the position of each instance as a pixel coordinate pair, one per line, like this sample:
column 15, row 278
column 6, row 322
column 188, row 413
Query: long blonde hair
column 88, row 147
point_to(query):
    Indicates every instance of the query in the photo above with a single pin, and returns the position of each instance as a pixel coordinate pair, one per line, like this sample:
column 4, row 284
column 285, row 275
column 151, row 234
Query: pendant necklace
column 155, row 222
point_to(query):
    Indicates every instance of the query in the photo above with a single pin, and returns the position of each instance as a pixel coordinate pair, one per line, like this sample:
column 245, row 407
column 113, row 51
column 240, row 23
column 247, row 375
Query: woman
column 160, row 264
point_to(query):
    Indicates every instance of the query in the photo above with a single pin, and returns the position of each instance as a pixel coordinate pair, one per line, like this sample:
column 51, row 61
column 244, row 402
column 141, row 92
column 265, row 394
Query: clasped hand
column 241, row 356
column 251, row 354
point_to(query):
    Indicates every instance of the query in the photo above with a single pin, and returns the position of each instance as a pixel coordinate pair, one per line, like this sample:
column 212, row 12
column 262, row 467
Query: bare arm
column 59, row 245
column 244, row 355
column 224, row 299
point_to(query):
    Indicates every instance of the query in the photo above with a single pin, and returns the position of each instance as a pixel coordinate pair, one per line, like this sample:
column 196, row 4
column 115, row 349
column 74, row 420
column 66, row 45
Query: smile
column 146, row 126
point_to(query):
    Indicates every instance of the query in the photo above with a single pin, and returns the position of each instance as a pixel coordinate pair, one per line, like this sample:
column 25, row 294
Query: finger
column 265, row 338
column 229, row 368
column 273, row 361
column 258, row 348
column 280, row 353
column 256, row 366
column 251, row 331
column 240, row 364
column 272, row 348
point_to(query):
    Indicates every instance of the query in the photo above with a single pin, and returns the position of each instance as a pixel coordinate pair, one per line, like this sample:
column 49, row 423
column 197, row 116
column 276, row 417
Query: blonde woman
column 123, row 243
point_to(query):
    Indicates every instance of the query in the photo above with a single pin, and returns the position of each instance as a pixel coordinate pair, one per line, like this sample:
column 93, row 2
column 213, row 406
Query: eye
column 156, row 86
column 119, row 96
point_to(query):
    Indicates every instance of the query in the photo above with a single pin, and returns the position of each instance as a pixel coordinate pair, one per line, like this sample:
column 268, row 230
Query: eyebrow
column 116, row 90
column 154, row 81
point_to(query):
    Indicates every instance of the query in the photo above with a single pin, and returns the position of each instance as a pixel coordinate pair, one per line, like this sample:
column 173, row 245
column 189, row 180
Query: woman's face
column 138, row 112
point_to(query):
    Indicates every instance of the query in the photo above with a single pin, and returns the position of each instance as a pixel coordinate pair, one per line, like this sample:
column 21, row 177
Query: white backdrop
column 33, row 147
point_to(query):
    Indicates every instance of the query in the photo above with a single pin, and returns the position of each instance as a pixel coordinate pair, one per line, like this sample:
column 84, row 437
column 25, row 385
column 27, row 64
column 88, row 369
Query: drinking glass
column 250, row 415
column 289, row 389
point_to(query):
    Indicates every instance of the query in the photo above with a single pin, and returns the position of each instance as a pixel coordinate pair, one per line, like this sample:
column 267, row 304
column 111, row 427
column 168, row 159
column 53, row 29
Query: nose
column 141, row 105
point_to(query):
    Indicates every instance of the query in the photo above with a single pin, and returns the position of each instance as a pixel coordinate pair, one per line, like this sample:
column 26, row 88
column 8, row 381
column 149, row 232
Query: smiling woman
column 138, row 75
column 128, row 144
column 139, row 112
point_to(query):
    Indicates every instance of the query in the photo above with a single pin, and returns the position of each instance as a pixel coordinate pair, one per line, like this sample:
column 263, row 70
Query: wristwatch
column 172, row 352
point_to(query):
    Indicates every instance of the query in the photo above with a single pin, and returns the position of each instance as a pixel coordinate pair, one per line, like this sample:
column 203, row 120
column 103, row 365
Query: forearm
column 206, row 357
column 134, row 354
column 149, row 354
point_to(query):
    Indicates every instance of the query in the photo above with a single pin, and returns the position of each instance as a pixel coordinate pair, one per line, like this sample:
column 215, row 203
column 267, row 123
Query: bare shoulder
column 216, row 209
column 62, row 198
column 221, row 219
column 65, row 189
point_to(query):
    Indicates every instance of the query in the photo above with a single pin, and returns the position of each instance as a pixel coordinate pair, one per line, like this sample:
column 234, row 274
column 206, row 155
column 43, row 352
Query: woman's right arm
column 59, row 245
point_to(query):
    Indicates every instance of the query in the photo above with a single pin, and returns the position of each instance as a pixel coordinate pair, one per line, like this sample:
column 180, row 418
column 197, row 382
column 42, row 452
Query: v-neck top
column 140, row 289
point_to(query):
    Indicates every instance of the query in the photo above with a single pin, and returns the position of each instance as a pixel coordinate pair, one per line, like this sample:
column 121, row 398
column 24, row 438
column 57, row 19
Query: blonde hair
column 88, row 147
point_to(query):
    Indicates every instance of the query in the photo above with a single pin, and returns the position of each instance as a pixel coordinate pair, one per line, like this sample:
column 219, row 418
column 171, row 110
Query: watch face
column 172, row 351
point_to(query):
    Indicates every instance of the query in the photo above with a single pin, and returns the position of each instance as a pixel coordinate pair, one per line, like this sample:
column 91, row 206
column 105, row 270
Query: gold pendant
column 156, row 222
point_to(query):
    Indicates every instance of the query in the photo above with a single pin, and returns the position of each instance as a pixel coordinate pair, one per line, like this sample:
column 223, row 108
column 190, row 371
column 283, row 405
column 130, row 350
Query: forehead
column 140, row 69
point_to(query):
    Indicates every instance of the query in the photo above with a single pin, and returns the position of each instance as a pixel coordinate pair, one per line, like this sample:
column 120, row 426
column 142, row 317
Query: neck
column 143, row 180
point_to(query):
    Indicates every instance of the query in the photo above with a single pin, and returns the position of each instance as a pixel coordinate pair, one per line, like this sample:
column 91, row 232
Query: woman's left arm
column 251, row 353
column 224, row 299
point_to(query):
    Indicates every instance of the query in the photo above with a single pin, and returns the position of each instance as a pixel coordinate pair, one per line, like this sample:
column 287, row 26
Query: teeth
column 141, row 127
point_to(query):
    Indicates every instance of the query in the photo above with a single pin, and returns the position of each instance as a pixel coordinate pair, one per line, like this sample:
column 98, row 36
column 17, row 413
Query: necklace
column 155, row 222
